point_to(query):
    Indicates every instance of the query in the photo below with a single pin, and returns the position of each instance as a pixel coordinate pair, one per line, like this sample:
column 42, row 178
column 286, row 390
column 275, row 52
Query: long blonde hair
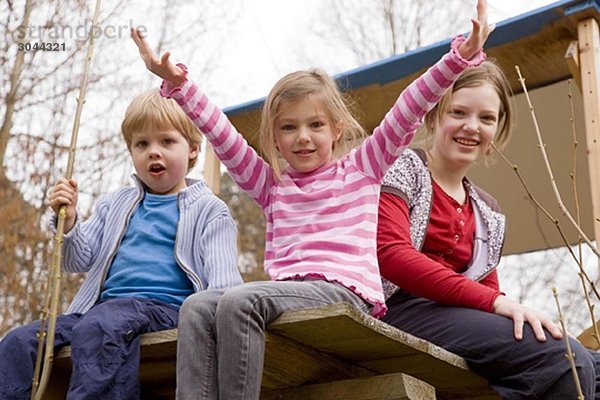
column 299, row 85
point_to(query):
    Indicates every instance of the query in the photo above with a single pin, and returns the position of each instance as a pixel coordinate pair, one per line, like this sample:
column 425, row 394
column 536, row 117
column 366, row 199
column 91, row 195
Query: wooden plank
column 59, row 380
column 572, row 59
column 212, row 170
column 289, row 364
column 588, row 337
column 315, row 346
column 359, row 339
column 589, row 61
column 383, row 387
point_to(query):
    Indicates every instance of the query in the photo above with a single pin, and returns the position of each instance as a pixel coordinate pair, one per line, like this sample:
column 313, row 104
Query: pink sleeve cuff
column 167, row 89
column 475, row 61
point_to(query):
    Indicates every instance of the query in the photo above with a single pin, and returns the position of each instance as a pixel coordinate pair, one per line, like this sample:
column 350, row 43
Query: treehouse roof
column 537, row 42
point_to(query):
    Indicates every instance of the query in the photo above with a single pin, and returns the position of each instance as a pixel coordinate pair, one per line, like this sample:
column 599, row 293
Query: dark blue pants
column 105, row 349
column 525, row 369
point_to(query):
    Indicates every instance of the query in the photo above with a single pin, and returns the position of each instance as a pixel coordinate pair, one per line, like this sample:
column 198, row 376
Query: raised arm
column 246, row 167
column 396, row 131
column 161, row 67
column 479, row 34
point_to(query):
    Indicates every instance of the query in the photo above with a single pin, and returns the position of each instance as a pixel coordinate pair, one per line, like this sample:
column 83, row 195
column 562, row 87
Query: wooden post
column 572, row 59
column 384, row 387
column 589, row 62
column 212, row 170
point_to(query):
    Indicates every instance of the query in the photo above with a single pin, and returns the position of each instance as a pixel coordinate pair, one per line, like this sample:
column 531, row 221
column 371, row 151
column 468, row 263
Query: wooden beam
column 383, row 387
column 359, row 339
column 212, row 170
column 589, row 61
column 588, row 338
column 313, row 353
column 572, row 59
column 290, row 364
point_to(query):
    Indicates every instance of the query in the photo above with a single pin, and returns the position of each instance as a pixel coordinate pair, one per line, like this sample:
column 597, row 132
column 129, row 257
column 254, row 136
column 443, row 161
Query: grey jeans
column 221, row 340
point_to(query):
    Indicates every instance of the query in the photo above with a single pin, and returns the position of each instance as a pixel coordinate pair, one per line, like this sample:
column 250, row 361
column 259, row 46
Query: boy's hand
column 161, row 67
column 479, row 34
column 65, row 193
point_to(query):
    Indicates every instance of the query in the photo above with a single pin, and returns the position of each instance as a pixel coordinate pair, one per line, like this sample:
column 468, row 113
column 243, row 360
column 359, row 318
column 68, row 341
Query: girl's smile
column 467, row 128
column 304, row 134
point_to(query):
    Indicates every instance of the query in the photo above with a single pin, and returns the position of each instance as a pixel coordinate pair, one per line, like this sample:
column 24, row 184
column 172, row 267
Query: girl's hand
column 521, row 314
column 162, row 67
column 65, row 193
column 479, row 34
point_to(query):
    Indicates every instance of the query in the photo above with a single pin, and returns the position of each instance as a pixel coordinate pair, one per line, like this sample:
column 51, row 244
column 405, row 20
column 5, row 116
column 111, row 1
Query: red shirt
column 435, row 271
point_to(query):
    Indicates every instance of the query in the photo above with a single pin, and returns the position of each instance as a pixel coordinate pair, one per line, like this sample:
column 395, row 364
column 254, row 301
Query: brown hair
column 150, row 111
column 488, row 72
column 299, row 85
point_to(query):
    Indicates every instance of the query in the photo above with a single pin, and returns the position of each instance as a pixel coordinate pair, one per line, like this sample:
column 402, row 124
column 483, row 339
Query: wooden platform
column 332, row 352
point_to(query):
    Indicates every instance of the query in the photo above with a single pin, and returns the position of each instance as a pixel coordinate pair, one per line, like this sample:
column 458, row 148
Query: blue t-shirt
column 145, row 264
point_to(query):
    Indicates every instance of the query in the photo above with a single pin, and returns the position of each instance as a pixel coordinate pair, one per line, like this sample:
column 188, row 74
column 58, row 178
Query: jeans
column 221, row 341
column 525, row 369
column 105, row 349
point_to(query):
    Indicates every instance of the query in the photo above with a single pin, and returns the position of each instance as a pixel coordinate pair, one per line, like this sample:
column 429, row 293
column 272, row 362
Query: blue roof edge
column 395, row 67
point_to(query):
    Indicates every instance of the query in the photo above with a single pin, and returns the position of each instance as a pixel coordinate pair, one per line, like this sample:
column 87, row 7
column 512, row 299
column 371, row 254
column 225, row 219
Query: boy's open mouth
column 156, row 168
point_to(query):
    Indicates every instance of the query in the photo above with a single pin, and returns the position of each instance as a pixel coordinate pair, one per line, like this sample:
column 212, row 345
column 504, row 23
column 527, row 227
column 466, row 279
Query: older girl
column 439, row 242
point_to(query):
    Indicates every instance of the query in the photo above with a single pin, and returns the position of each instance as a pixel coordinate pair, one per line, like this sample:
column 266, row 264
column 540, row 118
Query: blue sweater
column 145, row 264
column 205, row 244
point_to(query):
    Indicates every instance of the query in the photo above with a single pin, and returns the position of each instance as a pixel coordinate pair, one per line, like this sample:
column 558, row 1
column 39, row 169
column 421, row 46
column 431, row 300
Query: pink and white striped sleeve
column 253, row 174
column 396, row 131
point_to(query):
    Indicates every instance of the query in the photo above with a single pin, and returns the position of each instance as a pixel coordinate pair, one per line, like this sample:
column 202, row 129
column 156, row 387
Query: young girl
column 439, row 242
column 321, row 211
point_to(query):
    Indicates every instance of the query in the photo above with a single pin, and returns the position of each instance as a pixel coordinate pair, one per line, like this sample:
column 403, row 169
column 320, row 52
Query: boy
column 145, row 248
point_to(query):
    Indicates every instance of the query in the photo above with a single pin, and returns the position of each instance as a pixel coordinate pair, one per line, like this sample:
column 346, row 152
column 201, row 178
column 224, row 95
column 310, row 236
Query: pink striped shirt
column 323, row 224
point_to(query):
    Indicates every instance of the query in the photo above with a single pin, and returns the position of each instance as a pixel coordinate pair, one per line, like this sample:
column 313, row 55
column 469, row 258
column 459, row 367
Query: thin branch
column 542, row 147
column 573, row 176
column 42, row 377
column 549, row 216
column 569, row 354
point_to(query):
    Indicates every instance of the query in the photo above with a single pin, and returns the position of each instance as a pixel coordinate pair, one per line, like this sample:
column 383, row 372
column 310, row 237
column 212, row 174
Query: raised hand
column 479, row 34
column 65, row 193
column 162, row 67
column 521, row 314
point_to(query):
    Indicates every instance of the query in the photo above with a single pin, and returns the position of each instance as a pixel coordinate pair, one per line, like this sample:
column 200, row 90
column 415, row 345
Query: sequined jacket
column 410, row 179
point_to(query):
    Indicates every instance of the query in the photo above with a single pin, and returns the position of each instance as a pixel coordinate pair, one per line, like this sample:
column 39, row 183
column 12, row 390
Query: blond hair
column 299, row 85
column 150, row 111
column 488, row 72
